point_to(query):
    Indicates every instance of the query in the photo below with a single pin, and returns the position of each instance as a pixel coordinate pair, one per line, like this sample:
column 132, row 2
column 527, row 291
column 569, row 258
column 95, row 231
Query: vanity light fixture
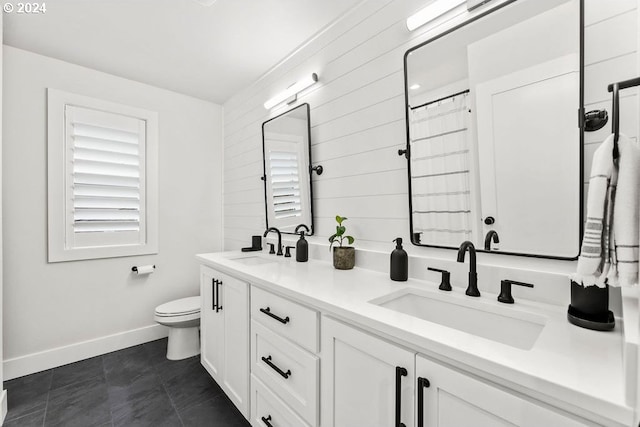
column 435, row 9
column 291, row 91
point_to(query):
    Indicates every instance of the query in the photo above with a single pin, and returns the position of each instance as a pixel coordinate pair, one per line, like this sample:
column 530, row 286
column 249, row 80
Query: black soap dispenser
column 302, row 247
column 399, row 262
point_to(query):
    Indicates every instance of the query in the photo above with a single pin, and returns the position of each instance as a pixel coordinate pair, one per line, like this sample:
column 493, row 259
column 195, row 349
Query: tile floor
column 136, row 386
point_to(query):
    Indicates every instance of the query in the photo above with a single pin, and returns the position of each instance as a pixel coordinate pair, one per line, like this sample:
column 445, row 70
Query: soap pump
column 399, row 262
column 302, row 247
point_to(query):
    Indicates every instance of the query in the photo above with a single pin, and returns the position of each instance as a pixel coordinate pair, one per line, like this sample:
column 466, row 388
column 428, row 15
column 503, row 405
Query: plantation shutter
column 285, row 182
column 105, row 178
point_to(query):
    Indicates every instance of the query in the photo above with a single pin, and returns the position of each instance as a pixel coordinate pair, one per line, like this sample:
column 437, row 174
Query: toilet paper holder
column 135, row 268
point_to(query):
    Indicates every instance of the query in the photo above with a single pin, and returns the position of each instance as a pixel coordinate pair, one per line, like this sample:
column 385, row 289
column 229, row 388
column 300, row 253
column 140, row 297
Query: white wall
column 358, row 124
column 61, row 312
column 3, row 400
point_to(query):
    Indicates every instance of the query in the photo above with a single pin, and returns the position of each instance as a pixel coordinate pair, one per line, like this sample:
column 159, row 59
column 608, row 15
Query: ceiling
column 209, row 52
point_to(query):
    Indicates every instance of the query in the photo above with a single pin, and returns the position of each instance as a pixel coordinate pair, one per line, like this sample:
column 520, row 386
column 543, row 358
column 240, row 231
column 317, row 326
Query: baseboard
column 37, row 362
column 3, row 406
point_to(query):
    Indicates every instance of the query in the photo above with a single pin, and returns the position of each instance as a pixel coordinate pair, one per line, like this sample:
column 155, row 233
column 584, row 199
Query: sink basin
column 254, row 260
column 504, row 325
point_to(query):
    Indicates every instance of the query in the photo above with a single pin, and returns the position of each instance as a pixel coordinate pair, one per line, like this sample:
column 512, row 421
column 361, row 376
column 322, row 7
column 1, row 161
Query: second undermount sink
column 517, row 329
column 254, row 260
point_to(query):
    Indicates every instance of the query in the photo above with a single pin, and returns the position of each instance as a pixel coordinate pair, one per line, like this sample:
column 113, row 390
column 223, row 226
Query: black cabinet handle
column 268, row 361
column 400, row 372
column 213, row 294
column 218, row 305
column 268, row 312
column 422, row 384
column 266, row 421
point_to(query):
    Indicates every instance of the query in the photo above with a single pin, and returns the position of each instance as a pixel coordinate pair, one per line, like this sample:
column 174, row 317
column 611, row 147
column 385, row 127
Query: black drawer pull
column 422, row 384
column 268, row 312
column 268, row 361
column 266, row 421
column 400, row 372
column 214, row 287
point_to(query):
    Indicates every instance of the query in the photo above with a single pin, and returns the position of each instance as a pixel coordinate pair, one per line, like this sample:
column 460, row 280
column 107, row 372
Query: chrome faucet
column 472, row 289
column 279, row 238
column 492, row 234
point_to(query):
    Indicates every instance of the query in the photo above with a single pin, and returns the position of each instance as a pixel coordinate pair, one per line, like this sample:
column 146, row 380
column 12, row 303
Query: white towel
column 609, row 253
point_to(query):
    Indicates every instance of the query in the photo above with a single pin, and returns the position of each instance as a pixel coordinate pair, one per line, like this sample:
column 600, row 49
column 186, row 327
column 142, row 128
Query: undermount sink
column 504, row 325
column 254, row 260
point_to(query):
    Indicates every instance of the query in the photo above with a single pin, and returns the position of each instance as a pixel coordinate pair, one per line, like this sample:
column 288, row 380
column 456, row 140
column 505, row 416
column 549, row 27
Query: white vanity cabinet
column 284, row 363
column 449, row 398
column 224, row 334
column 366, row 381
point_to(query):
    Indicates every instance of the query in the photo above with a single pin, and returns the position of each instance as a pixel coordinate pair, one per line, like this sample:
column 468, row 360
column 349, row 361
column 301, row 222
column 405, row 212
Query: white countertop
column 572, row 368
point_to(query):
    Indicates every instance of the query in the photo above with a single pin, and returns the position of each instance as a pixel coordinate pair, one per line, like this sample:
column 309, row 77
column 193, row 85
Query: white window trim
column 56, row 190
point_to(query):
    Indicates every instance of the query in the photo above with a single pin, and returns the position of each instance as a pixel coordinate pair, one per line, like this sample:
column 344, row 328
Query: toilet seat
column 184, row 307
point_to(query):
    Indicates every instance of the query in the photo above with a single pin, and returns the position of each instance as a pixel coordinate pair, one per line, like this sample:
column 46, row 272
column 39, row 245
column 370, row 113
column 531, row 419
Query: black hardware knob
column 282, row 373
column 272, row 249
column 505, row 290
column 489, row 220
column 400, row 372
column 404, row 153
column 319, row 169
column 287, row 251
column 266, row 421
column 445, row 281
column 268, row 312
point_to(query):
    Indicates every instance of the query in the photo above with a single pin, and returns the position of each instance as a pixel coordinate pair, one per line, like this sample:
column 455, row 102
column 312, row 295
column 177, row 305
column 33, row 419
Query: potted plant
column 344, row 257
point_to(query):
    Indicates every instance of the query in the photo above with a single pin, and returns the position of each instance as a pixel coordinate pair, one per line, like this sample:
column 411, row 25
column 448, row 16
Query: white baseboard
column 3, row 406
column 37, row 362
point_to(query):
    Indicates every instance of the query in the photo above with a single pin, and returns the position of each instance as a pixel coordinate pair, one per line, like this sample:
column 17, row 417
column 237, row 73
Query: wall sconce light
column 436, row 9
column 291, row 93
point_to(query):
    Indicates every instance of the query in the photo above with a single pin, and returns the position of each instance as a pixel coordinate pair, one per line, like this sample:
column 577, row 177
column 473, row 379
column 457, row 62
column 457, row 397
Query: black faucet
column 279, row 238
column 492, row 234
column 472, row 289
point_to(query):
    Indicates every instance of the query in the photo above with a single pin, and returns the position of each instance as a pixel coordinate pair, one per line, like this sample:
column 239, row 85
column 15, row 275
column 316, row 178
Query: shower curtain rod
column 440, row 99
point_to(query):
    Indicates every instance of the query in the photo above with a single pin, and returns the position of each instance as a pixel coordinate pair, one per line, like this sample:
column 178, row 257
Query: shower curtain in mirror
column 441, row 205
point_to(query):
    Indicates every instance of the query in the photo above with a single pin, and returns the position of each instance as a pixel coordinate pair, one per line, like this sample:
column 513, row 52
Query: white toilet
column 182, row 316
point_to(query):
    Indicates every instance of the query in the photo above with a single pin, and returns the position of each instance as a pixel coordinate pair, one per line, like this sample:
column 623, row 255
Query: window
column 102, row 185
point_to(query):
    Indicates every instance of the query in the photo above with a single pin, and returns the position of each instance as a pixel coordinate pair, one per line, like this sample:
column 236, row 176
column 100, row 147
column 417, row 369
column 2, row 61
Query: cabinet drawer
column 265, row 404
column 287, row 318
column 288, row 370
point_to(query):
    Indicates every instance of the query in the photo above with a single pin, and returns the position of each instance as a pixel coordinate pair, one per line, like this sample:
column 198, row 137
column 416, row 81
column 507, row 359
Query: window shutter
column 285, row 182
column 105, row 176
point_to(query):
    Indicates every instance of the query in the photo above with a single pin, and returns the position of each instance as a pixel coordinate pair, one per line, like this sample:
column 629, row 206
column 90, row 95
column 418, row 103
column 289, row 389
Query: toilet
column 182, row 316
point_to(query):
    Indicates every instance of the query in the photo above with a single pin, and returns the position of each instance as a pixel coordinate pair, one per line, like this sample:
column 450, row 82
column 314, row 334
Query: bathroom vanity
column 304, row 344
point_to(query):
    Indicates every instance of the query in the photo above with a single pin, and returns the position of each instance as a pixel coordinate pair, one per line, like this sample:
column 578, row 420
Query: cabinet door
column 360, row 374
column 211, row 325
column 234, row 304
column 453, row 399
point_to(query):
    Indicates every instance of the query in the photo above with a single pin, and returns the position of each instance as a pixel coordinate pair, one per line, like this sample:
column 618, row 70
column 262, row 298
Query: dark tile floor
column 136, row 386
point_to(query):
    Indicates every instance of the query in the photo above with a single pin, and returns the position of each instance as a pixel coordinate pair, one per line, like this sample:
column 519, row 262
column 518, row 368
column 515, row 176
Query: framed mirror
column 494, row 144
column 286, row 148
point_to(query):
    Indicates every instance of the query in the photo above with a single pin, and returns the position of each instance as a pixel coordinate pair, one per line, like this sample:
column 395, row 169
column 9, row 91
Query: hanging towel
column 609, row 253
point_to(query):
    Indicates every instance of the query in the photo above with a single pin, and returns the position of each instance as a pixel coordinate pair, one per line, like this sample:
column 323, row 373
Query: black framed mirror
column 286, row 150
column 494, row 145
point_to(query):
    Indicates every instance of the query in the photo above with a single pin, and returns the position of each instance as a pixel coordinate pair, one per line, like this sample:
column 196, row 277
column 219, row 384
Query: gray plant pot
column 344, row 258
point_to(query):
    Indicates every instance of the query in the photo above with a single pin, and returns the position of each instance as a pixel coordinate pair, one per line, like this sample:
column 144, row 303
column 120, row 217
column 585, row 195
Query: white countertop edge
column 558, row 395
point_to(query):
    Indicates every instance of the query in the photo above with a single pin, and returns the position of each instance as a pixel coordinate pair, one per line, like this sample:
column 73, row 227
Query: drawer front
column 268, row 410
column 287, row 318
column 287, row 370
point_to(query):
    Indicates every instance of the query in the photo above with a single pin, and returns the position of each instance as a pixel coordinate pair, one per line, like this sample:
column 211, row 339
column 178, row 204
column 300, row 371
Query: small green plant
column 339, row 235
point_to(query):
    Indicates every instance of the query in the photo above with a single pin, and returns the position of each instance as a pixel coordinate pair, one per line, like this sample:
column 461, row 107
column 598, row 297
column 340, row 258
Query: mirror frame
column 581, row 127
column 309, row 169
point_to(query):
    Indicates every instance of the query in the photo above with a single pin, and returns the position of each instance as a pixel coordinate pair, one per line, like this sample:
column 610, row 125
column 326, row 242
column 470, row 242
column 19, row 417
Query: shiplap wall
column 358, row 121
column 611, row 55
